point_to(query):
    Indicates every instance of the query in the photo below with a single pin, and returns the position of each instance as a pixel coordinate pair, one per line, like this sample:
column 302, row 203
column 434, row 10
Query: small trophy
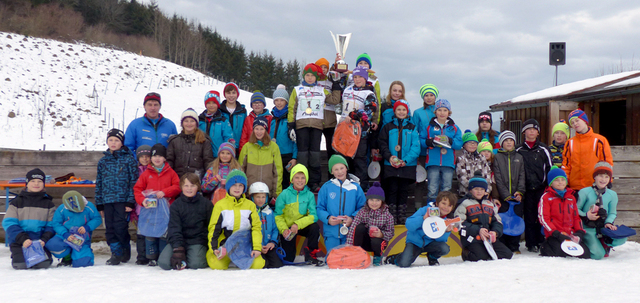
column 341, row 42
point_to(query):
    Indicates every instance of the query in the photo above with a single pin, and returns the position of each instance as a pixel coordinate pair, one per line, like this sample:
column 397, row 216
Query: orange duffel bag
column 348, row 257
column 346, row 138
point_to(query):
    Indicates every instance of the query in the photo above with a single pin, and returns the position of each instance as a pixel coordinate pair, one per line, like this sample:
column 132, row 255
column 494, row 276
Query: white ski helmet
column 258, row 188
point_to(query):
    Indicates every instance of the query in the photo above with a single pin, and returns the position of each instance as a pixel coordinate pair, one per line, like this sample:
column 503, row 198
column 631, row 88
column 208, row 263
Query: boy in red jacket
column 558, row 214
column 161, row 178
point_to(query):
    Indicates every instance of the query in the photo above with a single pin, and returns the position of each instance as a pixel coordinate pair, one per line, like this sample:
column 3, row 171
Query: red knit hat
column 212, row 95
column 313, row 69
column 401, row 103
column 152, row 96
column 235, row 86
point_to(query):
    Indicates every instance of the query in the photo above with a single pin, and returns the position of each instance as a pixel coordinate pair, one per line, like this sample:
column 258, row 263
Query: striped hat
column 429, row 88
column 233, row 86
column 478, row 181
column 507, row 134
column 189, row 113
column 603, row 167
column 258, row 97
column 236, row 176
column 578, row 114
column 228, row 147
column 364, row 57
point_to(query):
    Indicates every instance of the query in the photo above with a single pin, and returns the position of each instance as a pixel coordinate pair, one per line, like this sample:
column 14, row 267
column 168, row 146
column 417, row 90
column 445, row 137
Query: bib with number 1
column 310, row 102
column 353, row 100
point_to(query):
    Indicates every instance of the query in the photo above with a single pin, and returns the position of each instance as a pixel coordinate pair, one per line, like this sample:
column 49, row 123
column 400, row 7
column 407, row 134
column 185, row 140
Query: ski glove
column 560, row 236
column 579, row 234
column 430, row 142
column 178, row 258
column 602, row 213
column 292, row 131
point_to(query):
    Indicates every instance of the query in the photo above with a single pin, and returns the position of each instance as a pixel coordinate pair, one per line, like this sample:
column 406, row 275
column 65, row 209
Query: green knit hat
column 469, row 136
column 562, row 126
column 364, row 57
column 429, row 88
column 485, row 145
column 74, row 201
column 236, row 176
column 299, row 168
column 336, row 159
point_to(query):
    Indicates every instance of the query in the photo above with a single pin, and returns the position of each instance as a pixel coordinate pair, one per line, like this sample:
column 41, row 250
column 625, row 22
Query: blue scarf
column 304, row 83
column 159, row 169
column 279, row 112
column 561, row 192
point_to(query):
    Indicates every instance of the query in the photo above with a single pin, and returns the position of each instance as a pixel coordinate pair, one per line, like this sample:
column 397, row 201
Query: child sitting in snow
column 74, row 221
column 372, row 228
column 480, row 223
column 559, row 216
column 296, row 215
column 224, row 222
column 418, row 242
column 259, row 193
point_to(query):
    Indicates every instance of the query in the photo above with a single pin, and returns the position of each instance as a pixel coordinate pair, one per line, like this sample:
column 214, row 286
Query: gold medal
column 398, row 148
column 308, row 111
column 443, row 151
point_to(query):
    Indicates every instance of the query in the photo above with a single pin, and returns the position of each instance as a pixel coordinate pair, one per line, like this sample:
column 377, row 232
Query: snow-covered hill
column 67, row 96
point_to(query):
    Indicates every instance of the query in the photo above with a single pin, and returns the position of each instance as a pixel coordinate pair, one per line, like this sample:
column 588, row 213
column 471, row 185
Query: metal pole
column 556, row 78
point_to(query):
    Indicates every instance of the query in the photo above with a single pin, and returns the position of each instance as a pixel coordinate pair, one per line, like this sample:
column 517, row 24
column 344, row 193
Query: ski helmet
column 258, row 188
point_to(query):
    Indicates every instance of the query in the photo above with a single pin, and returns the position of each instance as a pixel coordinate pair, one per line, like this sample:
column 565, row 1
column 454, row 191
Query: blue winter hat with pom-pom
column 375, row 192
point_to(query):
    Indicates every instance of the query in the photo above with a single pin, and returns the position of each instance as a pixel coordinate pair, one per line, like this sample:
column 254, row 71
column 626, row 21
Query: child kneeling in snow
column 224, row 222
column 418, row 242
column 296, row 215
column 372, row 228
column 259, row 193
column 603, row 216
column 189, row 217
column 74, row 221
column 558, row 214
column 480, row 222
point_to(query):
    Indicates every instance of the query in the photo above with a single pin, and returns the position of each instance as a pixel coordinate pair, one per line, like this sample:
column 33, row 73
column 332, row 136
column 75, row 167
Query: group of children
column 267, row 173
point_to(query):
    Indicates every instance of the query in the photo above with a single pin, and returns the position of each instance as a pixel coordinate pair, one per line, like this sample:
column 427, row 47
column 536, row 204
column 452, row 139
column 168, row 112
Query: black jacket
column 189, row 221
column 184, row 155
column 537, row 163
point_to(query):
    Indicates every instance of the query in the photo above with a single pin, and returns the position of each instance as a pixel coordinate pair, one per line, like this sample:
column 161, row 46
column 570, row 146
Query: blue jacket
column 117, row 174
column 435, row 157
column 387, row 112
column 406, row 135
column 415, row 234
column 338, row 199
column 421, row 119
column 142, row 131
column 29, row 218
column 235, row 119
column 280, row 132
column 269, row 229
column 64, row 220
column 217, row 128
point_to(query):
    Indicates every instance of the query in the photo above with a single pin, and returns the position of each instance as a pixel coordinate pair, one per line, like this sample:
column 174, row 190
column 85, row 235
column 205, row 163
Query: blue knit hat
column 258, row 97
column 236, row 176
column 443, row 103
column 361, row 71
column 578, row 114
column 364, row 57
column 281, row 92
column 261, row 121
column 429, row 88
column 555, row 173
column 478, row 181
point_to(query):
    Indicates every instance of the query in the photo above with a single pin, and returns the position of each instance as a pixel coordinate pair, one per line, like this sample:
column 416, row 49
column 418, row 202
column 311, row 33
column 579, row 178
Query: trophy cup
column 341, row 42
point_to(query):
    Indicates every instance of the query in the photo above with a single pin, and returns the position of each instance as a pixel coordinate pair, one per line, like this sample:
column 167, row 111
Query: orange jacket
column 581, row 153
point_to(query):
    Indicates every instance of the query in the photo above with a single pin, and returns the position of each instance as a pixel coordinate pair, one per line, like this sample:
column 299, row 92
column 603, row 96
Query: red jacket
column 559, row 213
column 247, row 127
column 166, row 181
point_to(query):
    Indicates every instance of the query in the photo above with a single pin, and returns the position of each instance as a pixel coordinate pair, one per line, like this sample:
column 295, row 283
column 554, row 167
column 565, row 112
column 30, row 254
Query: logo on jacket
column 332, row 195
column 436, row 128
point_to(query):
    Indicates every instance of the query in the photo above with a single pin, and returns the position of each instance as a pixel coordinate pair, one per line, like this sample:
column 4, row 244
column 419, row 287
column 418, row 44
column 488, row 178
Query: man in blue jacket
column 151, row 128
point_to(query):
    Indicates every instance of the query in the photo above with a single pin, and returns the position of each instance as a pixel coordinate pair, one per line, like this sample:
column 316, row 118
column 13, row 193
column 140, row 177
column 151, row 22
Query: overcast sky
column 477, row 53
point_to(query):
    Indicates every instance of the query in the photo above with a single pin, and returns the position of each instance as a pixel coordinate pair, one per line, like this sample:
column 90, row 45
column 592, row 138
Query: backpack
column 347, row 138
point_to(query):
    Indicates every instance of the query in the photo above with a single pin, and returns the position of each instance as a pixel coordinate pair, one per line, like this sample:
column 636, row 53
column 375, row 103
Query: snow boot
column 377, row 260
column 391, row 259
column 310, row 257
column 153, row 263
column 126, row 254
column 433, row 261
column 116, row 254
column 66, row 261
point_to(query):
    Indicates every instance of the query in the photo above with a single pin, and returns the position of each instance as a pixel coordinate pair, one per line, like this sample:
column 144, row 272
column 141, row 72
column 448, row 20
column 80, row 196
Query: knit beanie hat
column 313, row 69
column 158, row 150
column 232, row 85
column 443, row 103
column 189, row 113
column 507, row 134
column 336, row 159
column 258, row 97
column 212, row 96
column 485, row 116
column 228, row 147
column 362, row 72
column 428, row 88
column 478, row 181
column 578, row 114
column 561, row 126
column 74, row 201
column 364, row 57
column 531, row 123
column 401, row 102
column 375, row 192
column 468, row 136
column 261, row 121
column 485, row 145
column 152, row 96
column 299, row 168
column 555, row 173
column 281, row 92
column 322, row 61
column 143, row 150
column 603, row 167
column 236, row 176
column 36, row 173
column 114, row 132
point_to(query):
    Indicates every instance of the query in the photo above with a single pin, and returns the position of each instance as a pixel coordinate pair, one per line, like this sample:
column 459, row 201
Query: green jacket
column 263, row 164
column 293, row 207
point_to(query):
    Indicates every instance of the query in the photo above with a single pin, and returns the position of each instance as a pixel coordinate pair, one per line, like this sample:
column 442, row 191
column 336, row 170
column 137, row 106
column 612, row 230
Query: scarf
column 279, row 112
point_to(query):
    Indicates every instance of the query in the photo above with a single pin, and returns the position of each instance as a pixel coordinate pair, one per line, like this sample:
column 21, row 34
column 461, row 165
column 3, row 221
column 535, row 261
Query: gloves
column 430, row 142
column 602, row 213
column 579, row 234
column 450, row 140
column 560, row 236
column 178, row 258
column 292, row 131
column 355, row 115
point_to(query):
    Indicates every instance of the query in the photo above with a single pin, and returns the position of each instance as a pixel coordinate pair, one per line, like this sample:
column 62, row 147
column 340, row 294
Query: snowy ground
column 525, row 278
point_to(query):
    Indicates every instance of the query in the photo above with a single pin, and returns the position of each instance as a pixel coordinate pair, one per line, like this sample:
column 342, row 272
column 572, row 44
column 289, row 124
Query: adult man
column 151, row 128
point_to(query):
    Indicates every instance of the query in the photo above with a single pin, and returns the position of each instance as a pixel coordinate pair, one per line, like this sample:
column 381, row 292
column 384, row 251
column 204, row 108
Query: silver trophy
column 341, row 42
